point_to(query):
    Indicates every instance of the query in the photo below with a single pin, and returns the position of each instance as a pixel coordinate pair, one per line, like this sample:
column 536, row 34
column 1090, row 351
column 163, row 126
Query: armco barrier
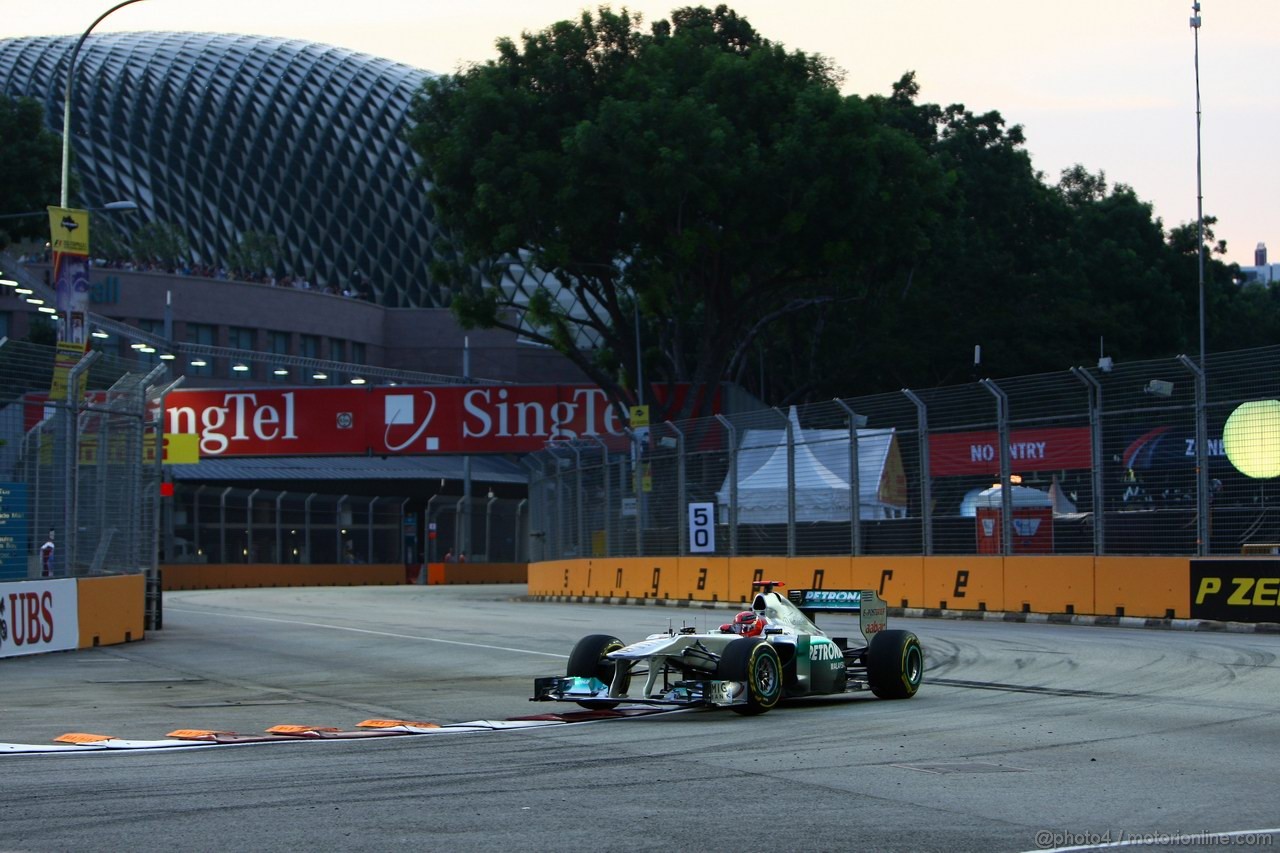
column 42, row 616
column 1152, row 587
column 463, row 573
column 111, row 609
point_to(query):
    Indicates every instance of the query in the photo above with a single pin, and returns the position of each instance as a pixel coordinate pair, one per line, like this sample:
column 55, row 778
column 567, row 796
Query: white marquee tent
column 821, row 476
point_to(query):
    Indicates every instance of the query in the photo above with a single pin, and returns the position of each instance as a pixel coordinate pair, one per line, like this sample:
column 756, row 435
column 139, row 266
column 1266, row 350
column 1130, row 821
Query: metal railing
column 1130, row 459
column 77, row 470
column 224, row 524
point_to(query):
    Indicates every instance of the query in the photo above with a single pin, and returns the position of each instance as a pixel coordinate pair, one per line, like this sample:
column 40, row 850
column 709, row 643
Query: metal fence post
column 337, row 528
column 682, row 497
column 926, row 496
column 250, row 556
column 279, row 550
column 1095, row 455
column 368, row 557
column 222, row 525
column 608, row 496
column 733, row 484
column 1006, row 465
column 429, row 549
column 71, row 449
column 580, row 545
column 791, row 482
column 856, row 421
column 1202, row 457
column 306, row 526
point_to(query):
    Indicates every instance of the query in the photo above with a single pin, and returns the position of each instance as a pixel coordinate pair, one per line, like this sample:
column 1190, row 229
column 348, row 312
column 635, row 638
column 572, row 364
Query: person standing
column 46, row 557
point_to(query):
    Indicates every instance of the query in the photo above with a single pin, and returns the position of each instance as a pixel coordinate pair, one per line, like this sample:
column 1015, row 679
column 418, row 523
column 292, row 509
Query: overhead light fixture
column 199, row 362
column 98, row 333
column 25, row 291
column 147, row 348
column 167, row 356
column 47, row 309
column 34, row 300
column 319, row 375
column 357, row 380
column 8, row 282
column 281, row 371
column 136, row 346
column 240, row 367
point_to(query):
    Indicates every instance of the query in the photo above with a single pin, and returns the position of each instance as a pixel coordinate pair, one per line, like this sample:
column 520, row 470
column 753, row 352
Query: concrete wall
column 1153, row 587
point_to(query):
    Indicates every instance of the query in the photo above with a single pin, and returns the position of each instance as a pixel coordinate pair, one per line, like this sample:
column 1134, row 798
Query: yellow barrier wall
column 964, row 583
column 1142, row 586
column 898, row 580
column 111, row 609
column 702, row 578
column 1152, row 587
column 1049, row 584
column 462, row 573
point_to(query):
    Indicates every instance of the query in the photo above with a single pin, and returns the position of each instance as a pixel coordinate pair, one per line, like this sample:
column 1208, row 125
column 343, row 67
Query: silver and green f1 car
column 771, row 652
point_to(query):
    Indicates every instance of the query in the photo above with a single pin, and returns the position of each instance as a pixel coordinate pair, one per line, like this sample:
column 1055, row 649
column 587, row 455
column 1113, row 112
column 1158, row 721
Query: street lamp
column 66, row 100
column 1195, row 29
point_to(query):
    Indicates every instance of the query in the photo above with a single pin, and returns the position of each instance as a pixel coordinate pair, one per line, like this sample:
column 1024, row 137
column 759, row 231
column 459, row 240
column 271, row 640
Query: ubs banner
column 38, row 616
column 1235, row 590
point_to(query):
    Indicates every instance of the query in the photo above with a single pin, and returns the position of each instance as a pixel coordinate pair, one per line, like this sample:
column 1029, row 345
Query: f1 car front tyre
column 755, row 663
column 587, row 660
column 895, row 664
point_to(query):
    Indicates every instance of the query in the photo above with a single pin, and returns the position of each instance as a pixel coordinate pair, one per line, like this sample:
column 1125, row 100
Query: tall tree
column 694, row 179
column 161, row 243
column 30, row 168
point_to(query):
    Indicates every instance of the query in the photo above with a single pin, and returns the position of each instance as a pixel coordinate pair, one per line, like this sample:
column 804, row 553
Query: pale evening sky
column 1108, row 85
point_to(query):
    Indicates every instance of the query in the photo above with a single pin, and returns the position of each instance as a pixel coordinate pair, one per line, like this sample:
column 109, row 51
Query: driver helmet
column 748, row 623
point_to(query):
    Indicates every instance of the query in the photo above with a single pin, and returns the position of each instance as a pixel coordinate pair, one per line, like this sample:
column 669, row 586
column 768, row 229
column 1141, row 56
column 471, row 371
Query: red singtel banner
column 389, row 421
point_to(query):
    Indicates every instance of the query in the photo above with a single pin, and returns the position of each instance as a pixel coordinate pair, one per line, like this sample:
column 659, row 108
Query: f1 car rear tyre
column 587, row 660
column 755, row 663
column 895, row 664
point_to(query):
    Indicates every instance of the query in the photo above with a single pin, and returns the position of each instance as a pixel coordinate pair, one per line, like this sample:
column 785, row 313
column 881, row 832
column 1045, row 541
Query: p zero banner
column 1239, row 590
column 388, row 421
column 38, row 616
column 1049, row 449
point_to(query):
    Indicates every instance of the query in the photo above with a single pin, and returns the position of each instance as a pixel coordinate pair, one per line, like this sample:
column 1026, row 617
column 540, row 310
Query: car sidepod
column 819, row 667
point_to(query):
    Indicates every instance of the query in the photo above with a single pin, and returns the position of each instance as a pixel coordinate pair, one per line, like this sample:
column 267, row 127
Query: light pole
column 1202, row 376
column 1195, row 29
column 66, row 100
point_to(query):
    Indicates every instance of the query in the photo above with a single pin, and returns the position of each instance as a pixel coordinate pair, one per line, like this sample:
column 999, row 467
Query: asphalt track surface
column 1024, row 737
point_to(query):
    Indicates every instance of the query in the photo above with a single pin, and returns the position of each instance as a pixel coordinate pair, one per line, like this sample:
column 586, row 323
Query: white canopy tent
column 821, row 476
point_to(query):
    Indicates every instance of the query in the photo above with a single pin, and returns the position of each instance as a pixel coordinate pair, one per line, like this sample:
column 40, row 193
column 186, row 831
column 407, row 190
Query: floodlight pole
column 66, row 100
column 1195, row 29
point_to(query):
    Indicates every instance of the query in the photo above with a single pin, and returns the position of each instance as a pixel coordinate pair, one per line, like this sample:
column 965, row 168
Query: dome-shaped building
column 223, row 135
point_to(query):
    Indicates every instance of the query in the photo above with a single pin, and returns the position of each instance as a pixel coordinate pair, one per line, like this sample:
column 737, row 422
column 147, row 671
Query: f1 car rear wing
column 873, row 612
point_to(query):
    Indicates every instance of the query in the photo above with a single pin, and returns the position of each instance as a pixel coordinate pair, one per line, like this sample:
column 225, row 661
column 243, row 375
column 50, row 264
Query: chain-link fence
column 1152, row 457
column 80, row 477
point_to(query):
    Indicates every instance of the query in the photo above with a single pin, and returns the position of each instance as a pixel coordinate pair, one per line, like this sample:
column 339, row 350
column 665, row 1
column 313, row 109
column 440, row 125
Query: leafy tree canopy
column 30, row 168
column 711, row 176
column 715, row 189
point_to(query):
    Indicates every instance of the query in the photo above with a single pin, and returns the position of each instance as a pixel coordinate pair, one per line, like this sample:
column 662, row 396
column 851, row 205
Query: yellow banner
column 69, row 230
column 66, row 357
column 179, row 449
